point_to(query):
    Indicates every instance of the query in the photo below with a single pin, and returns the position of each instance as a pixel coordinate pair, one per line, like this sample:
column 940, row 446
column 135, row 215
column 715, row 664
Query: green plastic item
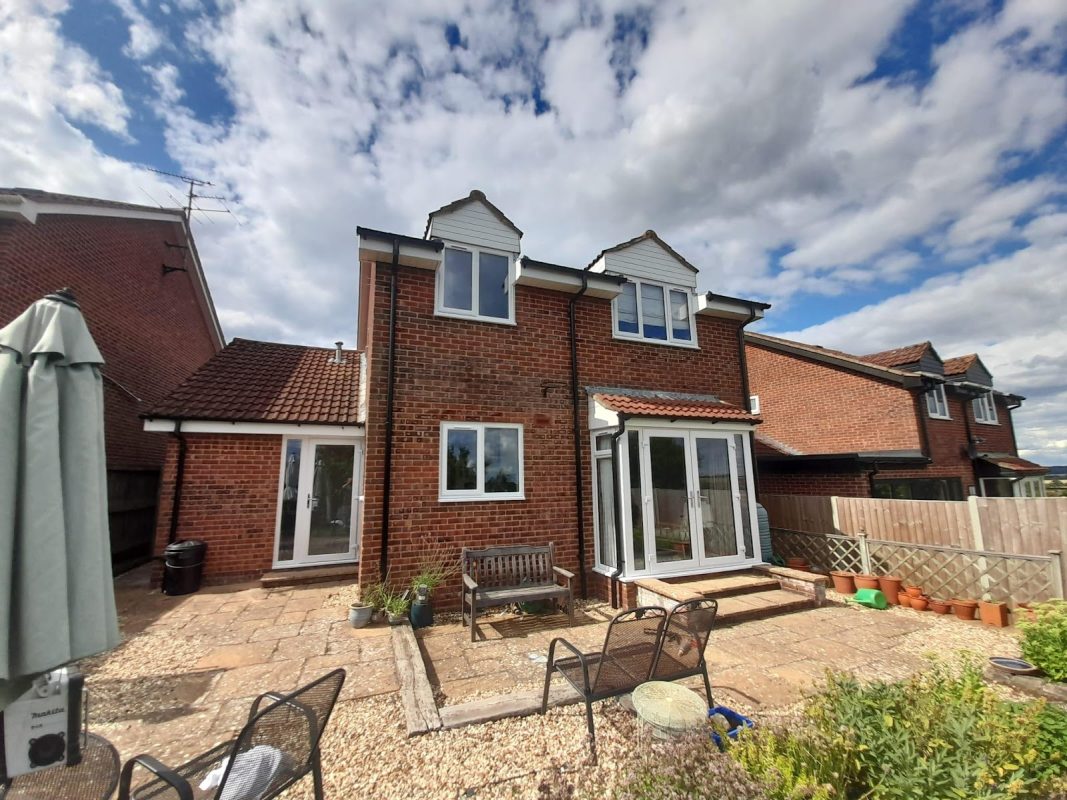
column 872, row 598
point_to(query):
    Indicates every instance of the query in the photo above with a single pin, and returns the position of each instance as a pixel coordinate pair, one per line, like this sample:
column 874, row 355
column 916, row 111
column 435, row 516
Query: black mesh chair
column 685, row 637
column 278, row 746
column 623, row 664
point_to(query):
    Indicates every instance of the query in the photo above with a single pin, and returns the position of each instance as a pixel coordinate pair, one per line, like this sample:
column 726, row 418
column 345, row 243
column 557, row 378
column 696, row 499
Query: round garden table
column 94, row 778
column 669, row 709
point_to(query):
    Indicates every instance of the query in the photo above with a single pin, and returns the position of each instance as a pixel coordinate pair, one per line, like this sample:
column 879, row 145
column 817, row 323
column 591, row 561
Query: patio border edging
column 416, row 693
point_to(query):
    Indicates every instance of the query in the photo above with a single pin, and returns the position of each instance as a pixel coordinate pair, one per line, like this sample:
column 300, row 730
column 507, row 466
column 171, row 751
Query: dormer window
column 985, row 409
column 654, row 312
column 936, row 403
column 475, row 283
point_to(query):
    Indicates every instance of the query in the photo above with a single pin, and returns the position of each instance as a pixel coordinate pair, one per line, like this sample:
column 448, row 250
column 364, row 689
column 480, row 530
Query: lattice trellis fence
column 943, row 572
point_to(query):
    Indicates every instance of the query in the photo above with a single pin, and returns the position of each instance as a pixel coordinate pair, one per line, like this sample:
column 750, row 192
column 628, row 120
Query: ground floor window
column 318, row 501
column 918, row 488
column 687, row 500
column 1013, row 487
column 481, row 461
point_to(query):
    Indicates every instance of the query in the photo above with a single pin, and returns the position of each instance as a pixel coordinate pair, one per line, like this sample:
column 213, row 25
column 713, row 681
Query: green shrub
column 690, row 768
column 793, row 764
column 1044, row 641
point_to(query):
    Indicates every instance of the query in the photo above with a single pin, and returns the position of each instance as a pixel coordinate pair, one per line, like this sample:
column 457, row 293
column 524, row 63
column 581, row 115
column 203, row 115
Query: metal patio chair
column 277, row 747
column 685, row 637
column 623, row 663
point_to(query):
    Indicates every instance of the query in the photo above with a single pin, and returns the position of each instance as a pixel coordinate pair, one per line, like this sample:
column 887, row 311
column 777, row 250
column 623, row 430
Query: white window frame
column 446, row 495
column 985, row 409
column 933, row 407
column 639, row 336
column 441, row 310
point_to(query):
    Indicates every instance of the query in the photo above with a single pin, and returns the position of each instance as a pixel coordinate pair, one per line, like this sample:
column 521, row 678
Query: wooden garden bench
column 498, row 576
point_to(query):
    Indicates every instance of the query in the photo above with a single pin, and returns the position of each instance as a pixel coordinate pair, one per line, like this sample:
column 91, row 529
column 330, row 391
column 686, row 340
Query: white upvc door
column 319, row 501
column 720, row 507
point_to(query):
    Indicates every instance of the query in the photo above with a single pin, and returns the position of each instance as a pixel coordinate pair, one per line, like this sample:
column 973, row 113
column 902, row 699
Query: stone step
column 299, row 575
column 757, row 605
column 732, row 585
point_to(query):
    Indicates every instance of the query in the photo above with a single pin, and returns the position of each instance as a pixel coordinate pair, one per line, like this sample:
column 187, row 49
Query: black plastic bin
column 183, row 566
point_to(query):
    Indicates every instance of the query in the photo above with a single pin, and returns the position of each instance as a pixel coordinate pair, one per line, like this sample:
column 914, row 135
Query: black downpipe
column 746, row 395
column 920, row 411
column 387, row 482
column 615, row 476
column 870, row 478
column 179, row 479
column 579, row 484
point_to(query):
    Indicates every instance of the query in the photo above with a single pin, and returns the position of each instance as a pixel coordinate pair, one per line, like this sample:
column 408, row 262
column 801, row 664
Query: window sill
column 641, row 340
column 472, row 317
column 984, row 422
column 938, row 416
column 480, row 498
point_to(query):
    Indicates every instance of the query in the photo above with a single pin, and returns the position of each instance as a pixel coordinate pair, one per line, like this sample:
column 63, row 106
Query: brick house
column 137, row 277
column 504, row 400
column 898, row 424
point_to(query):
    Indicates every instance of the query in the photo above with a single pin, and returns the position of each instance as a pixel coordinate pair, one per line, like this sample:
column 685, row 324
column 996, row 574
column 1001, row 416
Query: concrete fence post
column 977, row 537
column 865, row 552
column 1056, row 574
column 834, row 516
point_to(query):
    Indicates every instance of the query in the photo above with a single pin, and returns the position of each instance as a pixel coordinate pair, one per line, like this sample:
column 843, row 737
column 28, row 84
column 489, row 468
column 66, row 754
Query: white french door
column 319, row 499
column 694, row 503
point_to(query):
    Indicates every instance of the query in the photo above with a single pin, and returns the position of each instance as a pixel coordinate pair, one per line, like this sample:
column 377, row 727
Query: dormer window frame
column 476, row 251
column 639, row 335
column 985, row 409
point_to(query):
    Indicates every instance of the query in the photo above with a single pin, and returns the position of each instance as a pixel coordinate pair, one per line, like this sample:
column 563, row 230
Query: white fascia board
column 597, row 286
column 31, row 209
column 373, row 248
column 254, row 428
column 724, row 308
column 201, row 279
column 689, row 423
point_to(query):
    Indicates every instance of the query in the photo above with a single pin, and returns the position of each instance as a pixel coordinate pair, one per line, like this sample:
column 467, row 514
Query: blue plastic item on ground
column 734, row 720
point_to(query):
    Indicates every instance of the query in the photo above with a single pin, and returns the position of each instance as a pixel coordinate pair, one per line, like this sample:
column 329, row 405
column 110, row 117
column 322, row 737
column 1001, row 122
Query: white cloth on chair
column 252, row 774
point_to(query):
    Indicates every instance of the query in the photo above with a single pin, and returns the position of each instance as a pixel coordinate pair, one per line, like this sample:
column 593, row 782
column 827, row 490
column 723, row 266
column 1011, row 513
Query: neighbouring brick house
column 899, row 424
column 137, row 277
column 501, row 400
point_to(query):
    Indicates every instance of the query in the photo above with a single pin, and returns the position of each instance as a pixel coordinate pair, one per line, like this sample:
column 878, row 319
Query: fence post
column 833, row 514
column 865, row 552
column 976, row 523
column 1055, row 568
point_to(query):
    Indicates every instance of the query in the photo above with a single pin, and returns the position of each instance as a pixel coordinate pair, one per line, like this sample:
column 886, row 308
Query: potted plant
column 395, row 605
column 359, row 614
column 940, row 606
column 436, row 567
column 964, row 609
column 866, row 582
column 993, row 613
column 844, row 582
column 890, row 586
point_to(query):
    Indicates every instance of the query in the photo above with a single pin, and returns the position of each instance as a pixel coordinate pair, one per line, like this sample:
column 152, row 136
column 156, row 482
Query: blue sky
column 883, row 172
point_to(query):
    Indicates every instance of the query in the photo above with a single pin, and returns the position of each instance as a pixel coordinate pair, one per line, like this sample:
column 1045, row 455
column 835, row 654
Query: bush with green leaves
column 1044, row 640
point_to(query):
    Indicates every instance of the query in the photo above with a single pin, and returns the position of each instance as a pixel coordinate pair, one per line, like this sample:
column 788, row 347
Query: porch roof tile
column 674, row 406
column 251, row 381
column 1014, row 464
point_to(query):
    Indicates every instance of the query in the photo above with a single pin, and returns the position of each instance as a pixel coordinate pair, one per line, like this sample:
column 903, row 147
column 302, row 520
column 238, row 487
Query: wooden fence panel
column 935, row 522
column 796, row 512
column 1031, row 525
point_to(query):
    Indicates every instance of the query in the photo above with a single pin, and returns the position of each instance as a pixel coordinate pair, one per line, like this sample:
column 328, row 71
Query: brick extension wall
column 458, row 370
column 152, row 329
column 229, row 500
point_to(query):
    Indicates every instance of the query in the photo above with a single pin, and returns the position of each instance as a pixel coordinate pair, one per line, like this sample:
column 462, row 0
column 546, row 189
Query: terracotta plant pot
column 904, row 599
column 920, row 603
column 1023, row 612
column 843, row 582
column 939, row 606
column 797, row 563
column 964, row 609
column 992, row 613
column 890, row 587
column 866, row 582
column 914, row 591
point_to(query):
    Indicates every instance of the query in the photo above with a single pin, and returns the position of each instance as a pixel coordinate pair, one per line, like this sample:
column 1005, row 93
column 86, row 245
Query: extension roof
column 670, row 405
column 251, row 381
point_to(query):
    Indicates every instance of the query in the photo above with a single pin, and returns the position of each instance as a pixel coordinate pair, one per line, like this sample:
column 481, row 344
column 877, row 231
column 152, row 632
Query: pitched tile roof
column 898, row 356
column 1020, row 466
column 250, row 381
column 960, row 364
column 671, row 405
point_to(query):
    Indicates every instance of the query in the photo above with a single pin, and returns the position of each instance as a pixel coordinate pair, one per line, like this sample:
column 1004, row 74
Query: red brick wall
column 817, row 408
column 458, row 370
column 153, row 330
column 814, row 483
column 229, row 500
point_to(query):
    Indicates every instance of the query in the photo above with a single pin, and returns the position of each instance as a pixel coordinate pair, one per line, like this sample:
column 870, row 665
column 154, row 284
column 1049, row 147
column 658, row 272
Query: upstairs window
column 481, row 462
column 936, row 403
column 475, row 283
column 985, row 409
column 655, row 313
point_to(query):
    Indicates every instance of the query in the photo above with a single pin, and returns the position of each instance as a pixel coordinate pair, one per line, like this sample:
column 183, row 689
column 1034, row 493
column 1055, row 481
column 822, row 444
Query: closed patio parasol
column 57, row 602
